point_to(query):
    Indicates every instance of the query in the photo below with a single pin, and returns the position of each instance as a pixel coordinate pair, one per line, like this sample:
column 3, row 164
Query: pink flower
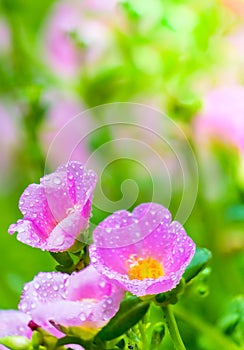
column 142, row 251
column 9, row 140
column 61, row 132
column 57, row 210
column 84, row 299
column 5, row 35
column 13, row 322
column 222, row 116
column 72, row 23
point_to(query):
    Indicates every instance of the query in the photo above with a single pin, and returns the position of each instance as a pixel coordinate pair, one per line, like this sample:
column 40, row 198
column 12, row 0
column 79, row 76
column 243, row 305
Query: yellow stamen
column 144, row 268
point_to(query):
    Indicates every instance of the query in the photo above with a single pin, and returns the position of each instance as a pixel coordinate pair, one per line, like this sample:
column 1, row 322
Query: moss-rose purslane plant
column 144, row 253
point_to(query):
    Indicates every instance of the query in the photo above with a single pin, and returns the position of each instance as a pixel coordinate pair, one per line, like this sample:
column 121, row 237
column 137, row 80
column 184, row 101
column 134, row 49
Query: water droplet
column 93, row 260
column 102, row 284
column 55, row 287
column 24, row 307
column 37, row 285
column 106, row 315
column 49, row 275
column 59, row 240
column 108, row 230
column 82, row 316
column 57, row 180
column 109, row 301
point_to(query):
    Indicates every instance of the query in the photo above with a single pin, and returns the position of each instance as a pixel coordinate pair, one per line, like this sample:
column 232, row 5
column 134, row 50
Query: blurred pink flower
column 13, row 322
column 5, row 42
column 56, row 210
column 142, row 251
column 75, row 32
column 60, row 134
column 8, row 140
column 222, row 117
column 84, row 299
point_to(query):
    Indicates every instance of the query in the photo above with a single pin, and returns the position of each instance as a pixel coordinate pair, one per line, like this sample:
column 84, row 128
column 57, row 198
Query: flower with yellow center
column 144, row 251
column 140, row 268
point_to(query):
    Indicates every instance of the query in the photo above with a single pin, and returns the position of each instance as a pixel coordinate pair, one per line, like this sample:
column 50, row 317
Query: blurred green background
column 184, row 58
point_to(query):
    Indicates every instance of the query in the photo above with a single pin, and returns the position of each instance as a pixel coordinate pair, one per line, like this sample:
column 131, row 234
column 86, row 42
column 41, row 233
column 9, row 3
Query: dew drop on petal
column 49, row 275
column 57, row 180
column 102, row 284
column 37, row 285
column 109, row 301
column 82, row 316
column 24, row 307
column 59, row 240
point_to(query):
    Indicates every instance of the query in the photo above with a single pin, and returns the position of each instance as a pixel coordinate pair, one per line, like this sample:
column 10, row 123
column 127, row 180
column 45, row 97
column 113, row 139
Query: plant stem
column 173, row 328
column 196, row 322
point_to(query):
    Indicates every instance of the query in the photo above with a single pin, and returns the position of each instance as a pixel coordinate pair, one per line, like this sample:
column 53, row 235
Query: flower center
column 144, row 268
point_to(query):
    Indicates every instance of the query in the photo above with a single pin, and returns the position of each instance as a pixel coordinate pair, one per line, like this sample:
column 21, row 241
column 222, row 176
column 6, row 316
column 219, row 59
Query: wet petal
column 152, row 263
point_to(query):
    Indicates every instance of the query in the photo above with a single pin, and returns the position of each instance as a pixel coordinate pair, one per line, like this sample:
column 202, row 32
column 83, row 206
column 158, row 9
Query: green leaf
column 232, row 321
column 130, row 312
column 63, row 258
column 198, row 263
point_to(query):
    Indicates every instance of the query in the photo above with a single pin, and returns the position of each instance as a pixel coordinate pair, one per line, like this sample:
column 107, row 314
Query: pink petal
column 88, row 284
column 34, row 206
column 28, row 233
column 45, row 288
column 80, row 182
column 64, row 234
column 123, row 228
column 13, row 322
